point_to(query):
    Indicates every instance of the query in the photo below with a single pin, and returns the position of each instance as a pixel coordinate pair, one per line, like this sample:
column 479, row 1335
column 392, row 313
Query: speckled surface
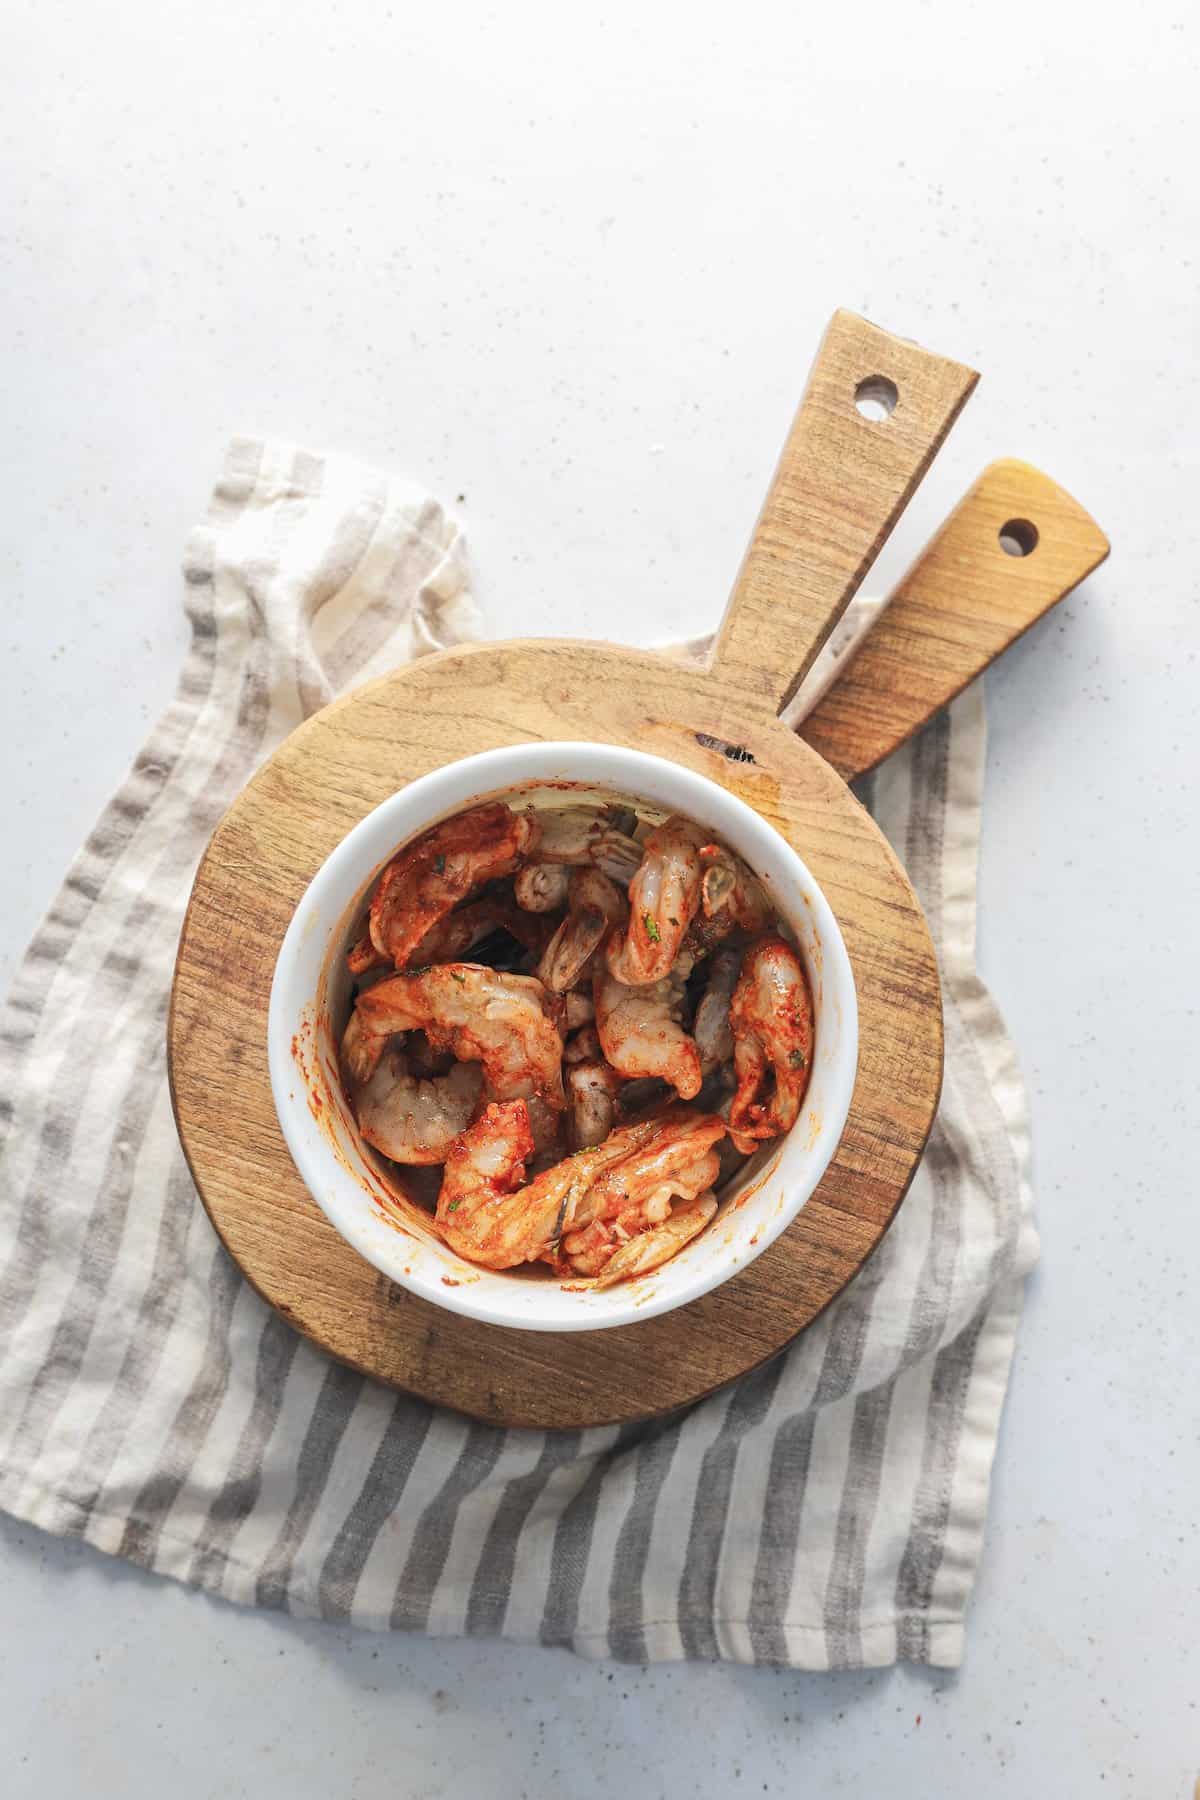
column 573, row 275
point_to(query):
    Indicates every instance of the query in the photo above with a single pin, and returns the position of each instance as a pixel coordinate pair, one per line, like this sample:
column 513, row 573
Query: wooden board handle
column 965, row 599
column 843, row 480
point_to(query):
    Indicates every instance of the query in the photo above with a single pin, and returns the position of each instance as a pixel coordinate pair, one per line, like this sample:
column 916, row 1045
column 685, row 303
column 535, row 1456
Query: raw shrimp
column 429, row 877
column 487, row 1216
column 595, row 903
column 580, row 1008
column 582, row 1046
column 541, row 887
column 772, row 1019
column 676, row 1160
column 361, row 1051
column 506, row 1022
column 362, row 956
column 650, row 1249
column 579, row 835
column 730, row 893
column 592, row 1088
column 549, row 1140
column 412, row 1120
column 671, row 1154
column 664, row 898
column 711, row 1028
column 641, row 1031
column 460, row 931
column 570, row 949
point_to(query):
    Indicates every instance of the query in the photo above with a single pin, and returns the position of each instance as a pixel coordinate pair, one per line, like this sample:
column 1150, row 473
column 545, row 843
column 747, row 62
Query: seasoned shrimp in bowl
column 562, row 1036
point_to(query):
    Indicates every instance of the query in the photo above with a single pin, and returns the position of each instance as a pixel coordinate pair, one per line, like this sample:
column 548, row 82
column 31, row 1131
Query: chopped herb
column 457, row 975
column 439, row 863
column 652, row 931
column 798, row 1059
column 675, row 922
column 454, row 1206
column 423, row 970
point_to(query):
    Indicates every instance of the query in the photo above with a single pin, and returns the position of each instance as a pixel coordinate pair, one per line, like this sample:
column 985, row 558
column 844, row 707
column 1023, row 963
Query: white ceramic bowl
column 310, row 999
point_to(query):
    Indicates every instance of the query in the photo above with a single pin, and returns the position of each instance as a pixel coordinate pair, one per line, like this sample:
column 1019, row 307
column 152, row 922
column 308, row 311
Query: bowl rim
column 353, row 864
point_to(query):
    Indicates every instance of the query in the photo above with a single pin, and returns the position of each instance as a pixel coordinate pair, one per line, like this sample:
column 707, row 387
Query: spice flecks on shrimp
column 362, row 956
column 673, row 1159
column 460, row 931
column 415, row 1120
column 431, row 876
column 651, row 1249
column 492, row 1075
column 641, row 1031
column 664, row 897
column 360, row 1051
column 583, row 836
column 506, row 1022
column 487, row 1215
column 729, row 891
column 541, row 887
column 772, row 1018
column 592, row 1088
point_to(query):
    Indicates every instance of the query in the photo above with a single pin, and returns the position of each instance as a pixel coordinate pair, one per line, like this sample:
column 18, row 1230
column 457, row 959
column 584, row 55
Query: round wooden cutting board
column 843, row 480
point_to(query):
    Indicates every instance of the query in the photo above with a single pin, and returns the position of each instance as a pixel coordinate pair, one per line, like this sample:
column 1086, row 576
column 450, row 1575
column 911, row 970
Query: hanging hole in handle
column 1018, row 538
column 876, row 397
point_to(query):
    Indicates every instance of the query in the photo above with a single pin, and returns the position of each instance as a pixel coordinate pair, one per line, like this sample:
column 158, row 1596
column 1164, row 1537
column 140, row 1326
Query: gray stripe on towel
column 491, row 1583
column 435, row 1528
column 339, row 1395
column 379, row 1496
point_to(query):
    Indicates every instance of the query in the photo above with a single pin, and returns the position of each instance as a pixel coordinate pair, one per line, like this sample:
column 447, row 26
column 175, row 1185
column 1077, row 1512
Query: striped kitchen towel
column 827, row 1511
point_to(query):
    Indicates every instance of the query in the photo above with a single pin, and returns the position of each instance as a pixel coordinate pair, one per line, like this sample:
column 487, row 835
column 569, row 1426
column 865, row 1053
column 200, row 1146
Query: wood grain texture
column 842, row 482
column 962, row 603
column 331, row 772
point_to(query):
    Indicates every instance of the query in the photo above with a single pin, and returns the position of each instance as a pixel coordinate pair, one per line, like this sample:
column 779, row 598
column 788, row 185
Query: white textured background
column 570, row 269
